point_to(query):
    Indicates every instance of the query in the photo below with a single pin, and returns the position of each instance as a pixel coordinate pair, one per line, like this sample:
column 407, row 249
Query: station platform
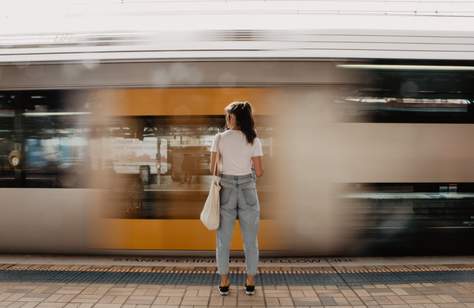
column 138, row 282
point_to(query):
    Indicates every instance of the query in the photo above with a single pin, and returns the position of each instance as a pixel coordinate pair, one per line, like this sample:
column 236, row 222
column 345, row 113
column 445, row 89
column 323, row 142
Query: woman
column 239, row 149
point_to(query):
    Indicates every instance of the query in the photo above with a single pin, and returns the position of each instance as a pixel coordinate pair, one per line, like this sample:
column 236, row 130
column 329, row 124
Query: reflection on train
column 373, row 163
column 158, row 165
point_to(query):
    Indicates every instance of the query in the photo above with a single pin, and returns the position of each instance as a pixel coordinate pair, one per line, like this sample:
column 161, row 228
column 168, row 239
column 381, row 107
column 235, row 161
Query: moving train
column 104, row 148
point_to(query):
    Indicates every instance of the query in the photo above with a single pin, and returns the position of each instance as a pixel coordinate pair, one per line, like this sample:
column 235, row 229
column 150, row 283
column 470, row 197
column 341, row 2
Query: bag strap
column 216, row 162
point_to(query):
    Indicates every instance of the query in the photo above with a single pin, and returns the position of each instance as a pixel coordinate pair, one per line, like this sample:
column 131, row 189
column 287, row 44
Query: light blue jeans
column 239, row 199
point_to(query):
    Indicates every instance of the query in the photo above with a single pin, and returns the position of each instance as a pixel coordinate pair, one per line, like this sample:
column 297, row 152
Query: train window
column 405, row 110
column 421, row 205
column 9, row 146
column 47, row 140
column 160, row 165
column 410, row 96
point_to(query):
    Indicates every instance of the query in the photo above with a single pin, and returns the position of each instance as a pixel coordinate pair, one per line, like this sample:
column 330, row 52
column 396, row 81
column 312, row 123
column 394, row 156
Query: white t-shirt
column 236, row 152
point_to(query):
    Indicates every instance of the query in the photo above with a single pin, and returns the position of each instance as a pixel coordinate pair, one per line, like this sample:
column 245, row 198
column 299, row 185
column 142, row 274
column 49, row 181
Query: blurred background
column 108, row 110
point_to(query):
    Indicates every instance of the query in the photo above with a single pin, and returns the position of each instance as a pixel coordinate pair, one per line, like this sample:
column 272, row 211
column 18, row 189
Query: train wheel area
column 46, row 281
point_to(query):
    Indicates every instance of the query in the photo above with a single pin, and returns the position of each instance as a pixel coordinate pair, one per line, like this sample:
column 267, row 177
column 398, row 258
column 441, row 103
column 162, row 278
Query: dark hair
column 243, row 115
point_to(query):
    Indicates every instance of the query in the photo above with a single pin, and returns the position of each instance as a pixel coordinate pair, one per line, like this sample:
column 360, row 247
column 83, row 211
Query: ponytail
column 243, row 115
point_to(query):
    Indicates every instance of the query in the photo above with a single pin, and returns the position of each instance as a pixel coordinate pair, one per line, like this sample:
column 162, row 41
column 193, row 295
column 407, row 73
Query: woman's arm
column 212, row 161
column 257, row 165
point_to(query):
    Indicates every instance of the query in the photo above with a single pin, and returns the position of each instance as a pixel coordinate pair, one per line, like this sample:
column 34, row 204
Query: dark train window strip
column 425, row 187
column 405, row 110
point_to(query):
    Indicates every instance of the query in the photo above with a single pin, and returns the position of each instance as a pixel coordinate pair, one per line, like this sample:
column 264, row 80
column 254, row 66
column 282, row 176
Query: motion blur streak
column 312, row 218
column 316, row 155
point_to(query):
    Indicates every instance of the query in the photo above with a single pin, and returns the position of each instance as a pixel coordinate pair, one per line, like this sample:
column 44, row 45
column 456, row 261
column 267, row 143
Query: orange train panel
column 180, row 101
column 173, row 234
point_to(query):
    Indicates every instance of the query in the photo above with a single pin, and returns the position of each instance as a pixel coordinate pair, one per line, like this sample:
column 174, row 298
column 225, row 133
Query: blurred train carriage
column 367, row 143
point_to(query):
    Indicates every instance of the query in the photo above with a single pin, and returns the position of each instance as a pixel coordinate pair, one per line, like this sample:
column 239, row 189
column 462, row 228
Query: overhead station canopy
column 123, row 30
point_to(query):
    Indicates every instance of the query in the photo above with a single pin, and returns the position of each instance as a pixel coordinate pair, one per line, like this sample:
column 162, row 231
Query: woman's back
column 236, row 152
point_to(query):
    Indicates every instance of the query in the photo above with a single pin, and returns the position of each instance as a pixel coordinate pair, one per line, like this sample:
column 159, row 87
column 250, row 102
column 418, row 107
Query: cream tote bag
column 210, row 213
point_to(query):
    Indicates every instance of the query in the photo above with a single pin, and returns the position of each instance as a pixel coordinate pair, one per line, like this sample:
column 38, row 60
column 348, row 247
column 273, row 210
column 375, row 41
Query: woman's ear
column 232, row 120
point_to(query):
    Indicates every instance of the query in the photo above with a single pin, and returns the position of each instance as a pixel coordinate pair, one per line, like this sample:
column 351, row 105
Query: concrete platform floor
column 134, row 282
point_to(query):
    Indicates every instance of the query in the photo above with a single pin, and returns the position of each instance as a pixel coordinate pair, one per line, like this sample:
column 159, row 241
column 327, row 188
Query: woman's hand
column 257, row 165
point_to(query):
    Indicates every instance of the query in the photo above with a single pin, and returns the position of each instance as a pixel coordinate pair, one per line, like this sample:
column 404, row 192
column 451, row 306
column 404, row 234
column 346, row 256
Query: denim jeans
column 238, row 199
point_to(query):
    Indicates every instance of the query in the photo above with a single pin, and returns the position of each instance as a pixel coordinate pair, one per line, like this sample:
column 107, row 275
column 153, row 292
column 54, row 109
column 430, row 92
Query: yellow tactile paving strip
column 238, row 269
